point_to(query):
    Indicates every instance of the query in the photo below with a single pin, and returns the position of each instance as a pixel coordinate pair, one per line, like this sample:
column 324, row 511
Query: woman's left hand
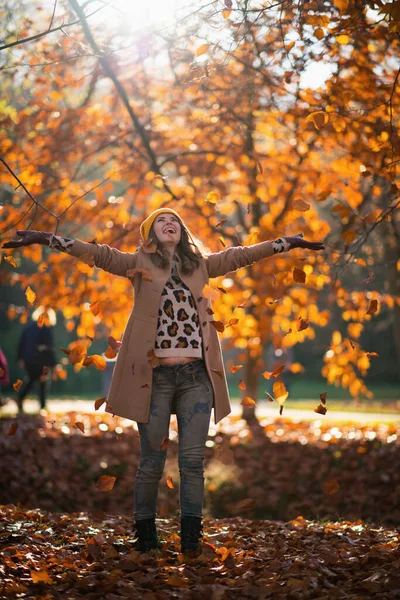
column 297, row 241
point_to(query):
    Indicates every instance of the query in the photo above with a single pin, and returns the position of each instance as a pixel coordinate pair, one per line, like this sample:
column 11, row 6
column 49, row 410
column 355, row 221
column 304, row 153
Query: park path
column 262, row 411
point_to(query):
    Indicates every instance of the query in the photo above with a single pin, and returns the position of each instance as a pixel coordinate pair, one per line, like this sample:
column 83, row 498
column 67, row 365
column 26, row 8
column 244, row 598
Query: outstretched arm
column 106, row 258
column 236, row 257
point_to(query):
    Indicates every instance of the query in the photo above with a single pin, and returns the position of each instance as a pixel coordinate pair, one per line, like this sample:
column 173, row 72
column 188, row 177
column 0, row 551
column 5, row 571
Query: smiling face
column 168, row 229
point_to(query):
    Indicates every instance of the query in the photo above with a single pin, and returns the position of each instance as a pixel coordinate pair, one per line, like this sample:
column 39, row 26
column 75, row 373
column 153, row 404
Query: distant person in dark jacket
column 36, row 351
column 4, row 377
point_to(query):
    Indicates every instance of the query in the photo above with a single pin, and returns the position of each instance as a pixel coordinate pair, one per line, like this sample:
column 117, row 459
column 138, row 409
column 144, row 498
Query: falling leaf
column 40, row 321
column 242, row 305
column 164, row 443
column 219, row 326
column 10, row 259
column 17, row 384
column 301, row 205
column 95, row 308
column 372, row 308
column 302, row 324
column 320, row 409
column 105, row 483
column 221, row 223
column 213, row 197
column 351, row 344
column 98, row 361
column 221, row 289
column 233, row 321
column 41, row 577
column 369, row 354
column 110, row 352
column 13, row 429
column 77, row 354
column 270, row 398
column 349, row 236
column 203, row 49
column 170, row 483
column 221, row 239
column 247, row 401
column 80, row 426
column 236, row 368
column 242, row 385
column 323, row 397
column 30, row 295
column 299, row 275
column 331, row 486
column 99, row 402
column 209, row 311
column 269, row 374
column 280, row 392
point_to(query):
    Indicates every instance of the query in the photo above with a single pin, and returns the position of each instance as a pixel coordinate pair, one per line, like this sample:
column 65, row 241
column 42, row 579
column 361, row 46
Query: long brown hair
column 189, row 249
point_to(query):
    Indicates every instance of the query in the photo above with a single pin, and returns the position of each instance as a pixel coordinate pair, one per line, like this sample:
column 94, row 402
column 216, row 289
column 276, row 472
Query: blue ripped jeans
column 187, row 388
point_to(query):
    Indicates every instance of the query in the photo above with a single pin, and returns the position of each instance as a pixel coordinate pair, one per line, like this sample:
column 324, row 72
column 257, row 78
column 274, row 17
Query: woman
column 170, row 359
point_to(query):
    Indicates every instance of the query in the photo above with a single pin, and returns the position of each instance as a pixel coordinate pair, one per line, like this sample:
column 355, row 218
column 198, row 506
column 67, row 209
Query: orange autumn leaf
column 270, row 398
column 41, row 577
column 323, row 397
column 270, row 374
column 110, row 353
column 170, row 483
column 372, row 308
column 219, row 373
column 77, row 354
column 302, row 324
column 280, row 392
column 203, row 49
column 11, row 260
column 242, row 385
column 80, row 426
column 219, row 326
column 30, row 295
column 300, row 205
column 95, row 308
column 348, row 236
column 369, row 354
column 99, row 402
column 13, row 429
column 233, row 321
column 247, row 401
column 220, row 223
column 98, row 361
column 221, row 239
column 299, row 275
column 40, row 321
column 320, row 409
column 105, row 483
column 17, row 384
column 236, row 368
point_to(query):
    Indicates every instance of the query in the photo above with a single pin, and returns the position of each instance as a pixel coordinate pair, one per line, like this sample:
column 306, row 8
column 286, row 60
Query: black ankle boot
column 146, row 531
column 191, row 534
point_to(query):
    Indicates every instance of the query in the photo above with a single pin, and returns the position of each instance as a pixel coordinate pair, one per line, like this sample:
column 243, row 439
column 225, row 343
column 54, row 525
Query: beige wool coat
column 130, row 391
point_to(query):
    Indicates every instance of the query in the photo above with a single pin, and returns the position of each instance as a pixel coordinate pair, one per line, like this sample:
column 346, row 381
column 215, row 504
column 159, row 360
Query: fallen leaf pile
column 55, row 555
column 276, row 470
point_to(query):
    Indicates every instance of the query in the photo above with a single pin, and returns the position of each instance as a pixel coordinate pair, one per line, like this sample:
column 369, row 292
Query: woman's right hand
column 29, row 237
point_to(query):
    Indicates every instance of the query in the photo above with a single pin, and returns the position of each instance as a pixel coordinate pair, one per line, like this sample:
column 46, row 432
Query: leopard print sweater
column 178, row 329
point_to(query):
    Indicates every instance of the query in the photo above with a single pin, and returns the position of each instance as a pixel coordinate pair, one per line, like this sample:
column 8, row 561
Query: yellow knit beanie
column 148, row 222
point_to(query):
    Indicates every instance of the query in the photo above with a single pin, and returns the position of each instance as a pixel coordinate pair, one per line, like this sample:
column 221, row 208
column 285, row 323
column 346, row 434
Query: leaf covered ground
column 55, row 555
column 278, row 469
